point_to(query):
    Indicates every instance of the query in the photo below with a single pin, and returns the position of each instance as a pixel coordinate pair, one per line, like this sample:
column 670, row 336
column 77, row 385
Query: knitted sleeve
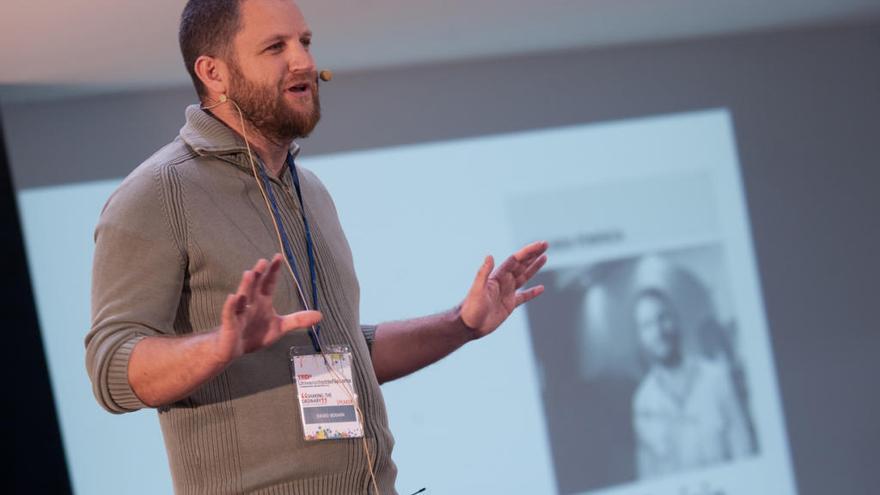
column 369, row 332
column 137, row 277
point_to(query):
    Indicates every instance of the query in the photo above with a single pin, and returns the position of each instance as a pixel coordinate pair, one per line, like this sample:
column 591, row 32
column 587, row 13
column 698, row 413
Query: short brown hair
column 207, row 27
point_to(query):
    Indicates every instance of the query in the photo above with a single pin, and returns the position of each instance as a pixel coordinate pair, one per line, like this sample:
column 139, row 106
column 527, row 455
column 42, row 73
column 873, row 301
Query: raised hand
column 249, row 321
column 495, row 294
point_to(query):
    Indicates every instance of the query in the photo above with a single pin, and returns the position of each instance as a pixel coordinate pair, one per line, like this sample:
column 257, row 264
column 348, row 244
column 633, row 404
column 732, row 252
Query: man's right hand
column 162, row 370
column 249, row 321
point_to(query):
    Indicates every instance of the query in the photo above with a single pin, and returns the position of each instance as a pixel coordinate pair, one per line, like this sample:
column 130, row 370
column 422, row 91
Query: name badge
column 325, row 391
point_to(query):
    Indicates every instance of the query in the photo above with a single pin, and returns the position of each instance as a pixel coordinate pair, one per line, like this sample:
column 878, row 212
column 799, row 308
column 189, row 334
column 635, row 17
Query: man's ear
column 214, row 74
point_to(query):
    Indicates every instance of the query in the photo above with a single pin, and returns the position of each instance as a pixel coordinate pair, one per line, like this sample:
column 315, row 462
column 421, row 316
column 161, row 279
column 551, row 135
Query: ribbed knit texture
column 171, row 243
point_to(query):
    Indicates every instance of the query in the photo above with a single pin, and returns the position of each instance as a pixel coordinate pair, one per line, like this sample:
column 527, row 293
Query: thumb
column 300, row 319
column 483, row 274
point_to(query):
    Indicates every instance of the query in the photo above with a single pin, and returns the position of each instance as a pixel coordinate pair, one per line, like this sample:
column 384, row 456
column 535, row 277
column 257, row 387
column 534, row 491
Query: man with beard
column 192, row 312
column 685, row 412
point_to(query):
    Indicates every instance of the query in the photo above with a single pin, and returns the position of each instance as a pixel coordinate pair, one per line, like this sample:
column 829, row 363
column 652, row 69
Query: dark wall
column 805, row 105
column 39, row 456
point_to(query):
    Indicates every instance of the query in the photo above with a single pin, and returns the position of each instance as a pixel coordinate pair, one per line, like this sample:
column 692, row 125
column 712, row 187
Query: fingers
column 506, row 281
column 259, row 271
column 521, row 260
column 270, row 279
column 241, row 304
column 483, row 274
column 228, row 314
column 247, row 279
column 530, row 271
column 531, row 251
column 250, row 280
column 529, row 294
column 300, row 319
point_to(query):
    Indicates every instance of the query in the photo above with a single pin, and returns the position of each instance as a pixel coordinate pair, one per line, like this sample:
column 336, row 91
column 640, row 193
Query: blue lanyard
column 288, row 251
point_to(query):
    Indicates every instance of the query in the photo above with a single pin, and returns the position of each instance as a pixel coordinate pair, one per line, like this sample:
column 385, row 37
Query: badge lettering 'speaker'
column 325, row 392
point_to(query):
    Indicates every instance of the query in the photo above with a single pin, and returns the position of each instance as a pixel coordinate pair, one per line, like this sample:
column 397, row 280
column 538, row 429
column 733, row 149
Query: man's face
column 659, row 332
column 272, row 74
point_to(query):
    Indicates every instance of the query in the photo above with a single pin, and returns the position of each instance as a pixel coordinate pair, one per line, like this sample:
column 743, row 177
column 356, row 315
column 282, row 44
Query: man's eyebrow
column 273, row 38
column 282, row 37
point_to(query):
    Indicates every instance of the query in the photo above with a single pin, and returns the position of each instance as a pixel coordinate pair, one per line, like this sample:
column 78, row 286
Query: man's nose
column 301, row 60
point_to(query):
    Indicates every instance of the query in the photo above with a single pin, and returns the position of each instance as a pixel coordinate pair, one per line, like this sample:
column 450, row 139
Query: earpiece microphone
column 220, row 100
column 325, row 75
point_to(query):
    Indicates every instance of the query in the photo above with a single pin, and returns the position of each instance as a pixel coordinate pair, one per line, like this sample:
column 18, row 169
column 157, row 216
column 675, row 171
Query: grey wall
column 805, row 105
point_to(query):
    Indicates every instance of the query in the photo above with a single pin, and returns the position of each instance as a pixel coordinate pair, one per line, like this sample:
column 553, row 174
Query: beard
column 266, row 109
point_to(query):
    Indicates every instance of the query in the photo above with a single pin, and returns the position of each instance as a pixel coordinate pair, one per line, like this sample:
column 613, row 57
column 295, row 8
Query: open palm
column 495, row 294
column 249, row 321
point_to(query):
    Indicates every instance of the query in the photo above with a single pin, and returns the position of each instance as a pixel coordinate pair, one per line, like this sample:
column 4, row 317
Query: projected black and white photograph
column 640, row 368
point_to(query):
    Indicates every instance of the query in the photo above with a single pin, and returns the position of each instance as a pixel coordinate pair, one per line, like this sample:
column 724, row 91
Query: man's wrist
column 220, row 356
column 462, row 328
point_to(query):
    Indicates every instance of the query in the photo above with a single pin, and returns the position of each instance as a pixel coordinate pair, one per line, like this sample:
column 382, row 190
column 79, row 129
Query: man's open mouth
column 300, row 87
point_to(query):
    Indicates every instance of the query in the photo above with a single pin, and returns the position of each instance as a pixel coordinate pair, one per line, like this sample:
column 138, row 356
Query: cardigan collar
column 208, row 136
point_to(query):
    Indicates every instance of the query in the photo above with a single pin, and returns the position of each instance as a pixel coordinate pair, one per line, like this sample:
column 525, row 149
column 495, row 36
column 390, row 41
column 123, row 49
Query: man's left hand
column 495, row 294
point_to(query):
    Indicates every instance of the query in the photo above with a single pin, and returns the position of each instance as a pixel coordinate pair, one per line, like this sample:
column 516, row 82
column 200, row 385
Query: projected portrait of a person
column 647, row 376
column 685, row 411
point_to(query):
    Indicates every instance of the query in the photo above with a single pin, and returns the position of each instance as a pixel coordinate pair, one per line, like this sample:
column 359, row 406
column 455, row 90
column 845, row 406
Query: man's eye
column 306, row 42
column 276, row 46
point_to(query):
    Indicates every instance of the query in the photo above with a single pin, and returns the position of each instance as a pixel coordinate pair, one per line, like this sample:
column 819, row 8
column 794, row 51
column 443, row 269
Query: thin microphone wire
column 342, row 381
